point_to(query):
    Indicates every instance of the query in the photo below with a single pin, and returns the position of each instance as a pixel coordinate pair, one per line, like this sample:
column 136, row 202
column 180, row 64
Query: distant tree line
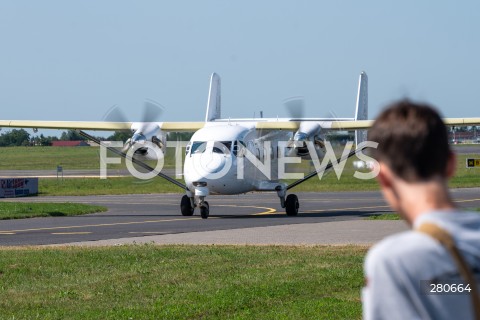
column 20, row 137
column 15, row 137
column 179, row 136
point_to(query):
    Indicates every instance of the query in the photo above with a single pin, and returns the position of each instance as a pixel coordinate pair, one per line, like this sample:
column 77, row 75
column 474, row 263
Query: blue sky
column 73, row 60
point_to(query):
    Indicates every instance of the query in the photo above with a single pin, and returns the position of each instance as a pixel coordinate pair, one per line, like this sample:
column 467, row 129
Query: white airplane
column 233, row 156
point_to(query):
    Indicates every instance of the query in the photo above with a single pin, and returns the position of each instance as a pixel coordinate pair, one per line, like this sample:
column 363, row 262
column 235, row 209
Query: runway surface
column 466, row 149
column 256, row 218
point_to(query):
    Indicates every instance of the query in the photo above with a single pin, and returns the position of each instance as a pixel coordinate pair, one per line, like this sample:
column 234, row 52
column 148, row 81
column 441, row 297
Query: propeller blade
column 152, row 111
column 295, row 106
column 114, row 114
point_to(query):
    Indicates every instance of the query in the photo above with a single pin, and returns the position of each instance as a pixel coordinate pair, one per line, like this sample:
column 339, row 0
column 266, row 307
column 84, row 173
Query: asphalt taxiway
column 255, row 218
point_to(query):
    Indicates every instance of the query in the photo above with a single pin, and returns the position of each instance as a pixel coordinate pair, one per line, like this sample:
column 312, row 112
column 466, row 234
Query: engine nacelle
column 147, row 143
column 309, row 132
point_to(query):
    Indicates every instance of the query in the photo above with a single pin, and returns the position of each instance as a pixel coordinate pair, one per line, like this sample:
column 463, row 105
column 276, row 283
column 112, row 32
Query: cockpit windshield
column 222, row 147
column 198, row 147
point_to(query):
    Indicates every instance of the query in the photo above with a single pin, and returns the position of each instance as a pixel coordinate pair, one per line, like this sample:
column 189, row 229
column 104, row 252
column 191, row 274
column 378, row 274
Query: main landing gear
column 187, row 206
column 290, row 203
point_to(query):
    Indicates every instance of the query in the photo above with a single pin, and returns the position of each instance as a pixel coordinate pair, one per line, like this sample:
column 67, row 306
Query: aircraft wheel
column 186, row 206
column 205, row 210
column 291, row 205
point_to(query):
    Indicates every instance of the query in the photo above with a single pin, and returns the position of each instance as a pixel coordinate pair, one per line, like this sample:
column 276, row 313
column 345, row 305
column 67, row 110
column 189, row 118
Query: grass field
column 48, row 158
column 21, row 210
column 384, row 216
column 182, row 282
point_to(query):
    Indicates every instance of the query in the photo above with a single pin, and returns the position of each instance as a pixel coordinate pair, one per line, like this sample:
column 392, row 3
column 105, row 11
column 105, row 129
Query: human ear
column 384, row 177
column 451, row 164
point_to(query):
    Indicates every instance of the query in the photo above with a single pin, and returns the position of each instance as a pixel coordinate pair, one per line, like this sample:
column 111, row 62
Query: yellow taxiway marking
column 467, row 200
column 67, row 233
column 148, row 232
column 269, row 211
column 343, row 209
column 374, row 207
column 100, row 225
column 266, row 212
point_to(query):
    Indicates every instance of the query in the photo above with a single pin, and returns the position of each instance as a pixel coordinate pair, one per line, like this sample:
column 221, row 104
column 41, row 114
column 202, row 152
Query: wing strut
column 323, row 168
column 137, row 162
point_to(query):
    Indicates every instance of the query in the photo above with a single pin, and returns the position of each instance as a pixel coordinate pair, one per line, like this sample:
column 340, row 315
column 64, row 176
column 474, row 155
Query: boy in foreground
column 403, row 271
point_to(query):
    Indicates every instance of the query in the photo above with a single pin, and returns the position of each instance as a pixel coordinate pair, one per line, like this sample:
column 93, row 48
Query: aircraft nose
column 213, row 163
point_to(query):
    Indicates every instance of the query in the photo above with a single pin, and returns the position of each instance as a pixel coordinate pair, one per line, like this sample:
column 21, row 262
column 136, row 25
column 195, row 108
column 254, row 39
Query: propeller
column 307, row 131
column 295, row 107
column 114, row 114
column 146, row 130
column 152, row 112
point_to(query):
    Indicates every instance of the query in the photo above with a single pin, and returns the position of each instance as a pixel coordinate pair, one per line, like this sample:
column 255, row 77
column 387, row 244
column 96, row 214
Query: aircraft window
column 187, row 149
column 222, row 147
column 239, row 148
column 198, row 147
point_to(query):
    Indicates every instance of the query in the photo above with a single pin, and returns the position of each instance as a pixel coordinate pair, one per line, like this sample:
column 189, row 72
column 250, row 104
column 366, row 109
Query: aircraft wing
column 283, row 124
column 352, row 124
column 97, row 125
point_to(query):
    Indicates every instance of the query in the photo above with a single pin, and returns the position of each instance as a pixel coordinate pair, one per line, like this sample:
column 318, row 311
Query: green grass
column 384, row 216
column 21, row 210
column 70, row 158
column 93, row 186
column 182, row 282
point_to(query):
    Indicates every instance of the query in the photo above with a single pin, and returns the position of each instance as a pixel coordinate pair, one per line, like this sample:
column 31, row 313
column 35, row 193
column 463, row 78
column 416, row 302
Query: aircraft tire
column 205, row 210
column 292, row 205
column 186, row 206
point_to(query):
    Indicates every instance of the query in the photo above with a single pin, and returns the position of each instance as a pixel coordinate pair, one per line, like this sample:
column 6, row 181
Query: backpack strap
column 447, row 241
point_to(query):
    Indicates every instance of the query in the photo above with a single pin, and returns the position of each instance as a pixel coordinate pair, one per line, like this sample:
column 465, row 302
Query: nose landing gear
column 187, row 206
column 205, row 210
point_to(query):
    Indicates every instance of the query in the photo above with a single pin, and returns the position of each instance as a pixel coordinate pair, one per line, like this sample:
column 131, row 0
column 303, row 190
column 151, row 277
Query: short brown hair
column 412, row 141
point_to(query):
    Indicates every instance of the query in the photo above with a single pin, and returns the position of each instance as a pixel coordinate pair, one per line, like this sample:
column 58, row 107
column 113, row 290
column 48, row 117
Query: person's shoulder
column 458, row 223
column 467, row 218
column 398, row 247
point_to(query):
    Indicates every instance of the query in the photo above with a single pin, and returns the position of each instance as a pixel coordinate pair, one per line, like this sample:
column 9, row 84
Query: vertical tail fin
column 214, row 99
column 361, row 111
